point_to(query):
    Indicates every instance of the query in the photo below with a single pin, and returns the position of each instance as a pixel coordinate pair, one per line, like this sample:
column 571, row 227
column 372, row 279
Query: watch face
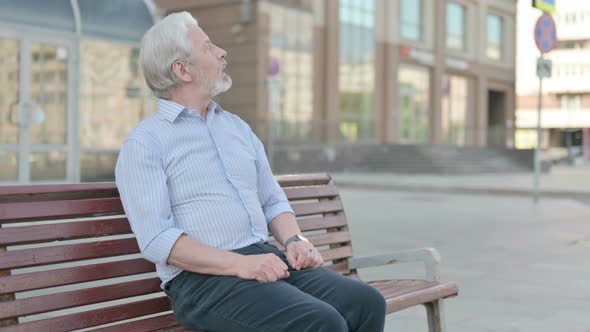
column 302, row 238
column 296, row 238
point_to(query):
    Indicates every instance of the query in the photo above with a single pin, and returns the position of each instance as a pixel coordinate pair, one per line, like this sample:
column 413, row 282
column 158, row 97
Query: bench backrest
column 60, row 243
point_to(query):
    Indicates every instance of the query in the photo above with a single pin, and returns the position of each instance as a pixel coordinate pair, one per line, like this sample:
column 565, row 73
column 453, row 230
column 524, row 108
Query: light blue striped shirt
column 210, row 179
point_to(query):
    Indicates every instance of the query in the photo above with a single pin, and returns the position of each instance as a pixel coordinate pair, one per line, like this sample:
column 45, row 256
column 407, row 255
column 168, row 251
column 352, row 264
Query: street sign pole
column 539, row 135
column 546, row 40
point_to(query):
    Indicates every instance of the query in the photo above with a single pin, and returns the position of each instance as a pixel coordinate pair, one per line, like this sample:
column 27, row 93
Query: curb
column 462, row 190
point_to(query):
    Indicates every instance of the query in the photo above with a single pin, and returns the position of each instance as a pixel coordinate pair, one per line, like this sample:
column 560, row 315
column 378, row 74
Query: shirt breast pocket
column 242, row 167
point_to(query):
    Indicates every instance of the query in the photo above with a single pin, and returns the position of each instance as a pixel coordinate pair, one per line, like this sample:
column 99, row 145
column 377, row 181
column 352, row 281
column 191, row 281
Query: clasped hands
column 270, row 268
column 302, row 255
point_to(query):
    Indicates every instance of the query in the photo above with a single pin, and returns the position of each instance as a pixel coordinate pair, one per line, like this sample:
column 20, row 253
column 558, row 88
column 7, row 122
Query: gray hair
column 162, row 45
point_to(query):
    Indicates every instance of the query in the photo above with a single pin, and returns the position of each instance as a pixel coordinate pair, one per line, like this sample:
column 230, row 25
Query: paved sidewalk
column 561, row 181
column 520, row 267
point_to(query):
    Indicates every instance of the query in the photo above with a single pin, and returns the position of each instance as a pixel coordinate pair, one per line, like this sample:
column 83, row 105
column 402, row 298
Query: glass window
column 9, row 94
column 46, row 166
column 411, row 19
column 98, row 165
column 48, row 114
column 357, row 69
column 113, row 100
column 454, row 109
column 414, row 84
column 455, row 26
column 291, row 38
column 495, row 37
column 571, row 102
column 8, row 165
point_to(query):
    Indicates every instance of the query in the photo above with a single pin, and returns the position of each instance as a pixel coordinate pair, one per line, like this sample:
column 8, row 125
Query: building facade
column 70, row 87
column 369, row 71
column 565, row 116
column 349, row 72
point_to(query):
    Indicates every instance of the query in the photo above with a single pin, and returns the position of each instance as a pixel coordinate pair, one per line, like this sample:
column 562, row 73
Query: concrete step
column 404, row 159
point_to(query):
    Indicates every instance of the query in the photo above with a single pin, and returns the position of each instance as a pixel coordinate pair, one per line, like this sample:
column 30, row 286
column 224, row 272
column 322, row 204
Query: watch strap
column 296, row 237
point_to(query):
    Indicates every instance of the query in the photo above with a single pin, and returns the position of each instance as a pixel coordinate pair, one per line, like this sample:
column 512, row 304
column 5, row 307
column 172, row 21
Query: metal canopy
column 118, row 20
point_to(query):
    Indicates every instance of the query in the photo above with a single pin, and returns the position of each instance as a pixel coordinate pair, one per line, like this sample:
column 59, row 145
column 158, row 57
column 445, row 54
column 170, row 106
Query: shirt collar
column 171, row 110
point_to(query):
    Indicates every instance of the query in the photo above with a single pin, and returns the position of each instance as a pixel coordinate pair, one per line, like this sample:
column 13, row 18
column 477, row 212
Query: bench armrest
column 429, row 256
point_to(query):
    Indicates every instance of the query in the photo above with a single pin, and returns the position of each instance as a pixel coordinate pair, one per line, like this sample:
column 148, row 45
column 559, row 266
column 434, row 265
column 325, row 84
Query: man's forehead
column 197, row 32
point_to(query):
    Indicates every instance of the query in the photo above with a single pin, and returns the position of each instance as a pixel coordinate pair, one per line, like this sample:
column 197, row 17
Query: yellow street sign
column 547, row 6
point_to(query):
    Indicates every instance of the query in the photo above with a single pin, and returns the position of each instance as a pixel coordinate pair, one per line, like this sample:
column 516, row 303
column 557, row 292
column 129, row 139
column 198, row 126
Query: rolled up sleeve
column 141, row 181
column 272, row 197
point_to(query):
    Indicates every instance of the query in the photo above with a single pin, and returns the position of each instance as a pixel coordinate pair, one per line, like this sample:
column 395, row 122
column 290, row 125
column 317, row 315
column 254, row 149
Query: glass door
column 408, row 117
column 414, row 99
column 35, row 108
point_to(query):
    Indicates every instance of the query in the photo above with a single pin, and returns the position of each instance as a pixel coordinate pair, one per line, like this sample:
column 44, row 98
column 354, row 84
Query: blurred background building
column 387, row 85
column 70, row 86
column 380, row 85
column 373, row 71
column 566, row 95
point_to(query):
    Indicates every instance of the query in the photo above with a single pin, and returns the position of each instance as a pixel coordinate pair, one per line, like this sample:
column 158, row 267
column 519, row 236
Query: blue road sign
column 545, row 33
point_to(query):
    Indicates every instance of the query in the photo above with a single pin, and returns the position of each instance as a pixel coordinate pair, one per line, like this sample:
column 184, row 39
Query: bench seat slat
column 323, row 222
column 28, row 211
column 284, row 180
column 311, row 192
column 92, row 228
column 329, row 238
column 307, row 209
column 394, row 288
column 63, row 231
column 341, row 268
column 37, row 189
column 73, row 275
column 297, row 180
column 406, row 293
column 402, row 299
column 423, row 296
column 158, row 323
column 94, row 317
column 80, row 297
column 66, row 253
column 336, row 253
column 73, row 252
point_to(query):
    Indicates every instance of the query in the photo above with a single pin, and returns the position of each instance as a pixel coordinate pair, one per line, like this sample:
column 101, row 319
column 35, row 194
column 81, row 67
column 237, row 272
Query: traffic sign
column 545, row 33
column 274, row 66
column 547, row 6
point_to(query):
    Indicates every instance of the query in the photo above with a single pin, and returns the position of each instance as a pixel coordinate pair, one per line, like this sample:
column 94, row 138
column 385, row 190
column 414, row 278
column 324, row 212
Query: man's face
column 208, row 63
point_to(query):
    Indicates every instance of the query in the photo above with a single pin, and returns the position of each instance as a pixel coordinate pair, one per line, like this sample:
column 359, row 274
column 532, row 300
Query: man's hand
column 262, row 268
column 302, row 255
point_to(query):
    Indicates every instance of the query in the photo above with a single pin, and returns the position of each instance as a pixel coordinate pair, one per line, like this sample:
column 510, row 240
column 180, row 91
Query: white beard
column 221, row 85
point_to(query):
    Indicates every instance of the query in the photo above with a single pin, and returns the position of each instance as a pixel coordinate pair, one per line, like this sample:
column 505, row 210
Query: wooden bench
column 68, row 259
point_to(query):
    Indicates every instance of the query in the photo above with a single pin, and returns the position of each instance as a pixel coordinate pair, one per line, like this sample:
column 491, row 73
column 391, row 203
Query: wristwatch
column 295, row 238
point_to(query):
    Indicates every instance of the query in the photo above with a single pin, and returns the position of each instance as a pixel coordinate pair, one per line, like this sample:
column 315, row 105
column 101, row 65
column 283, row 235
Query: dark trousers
column 311, row 300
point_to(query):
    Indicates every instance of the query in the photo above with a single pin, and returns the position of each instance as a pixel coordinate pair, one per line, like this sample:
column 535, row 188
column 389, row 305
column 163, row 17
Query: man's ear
column 181, row 71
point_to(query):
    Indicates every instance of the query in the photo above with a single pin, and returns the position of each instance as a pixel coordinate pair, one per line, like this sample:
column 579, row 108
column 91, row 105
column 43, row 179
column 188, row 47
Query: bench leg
column 436, row 322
